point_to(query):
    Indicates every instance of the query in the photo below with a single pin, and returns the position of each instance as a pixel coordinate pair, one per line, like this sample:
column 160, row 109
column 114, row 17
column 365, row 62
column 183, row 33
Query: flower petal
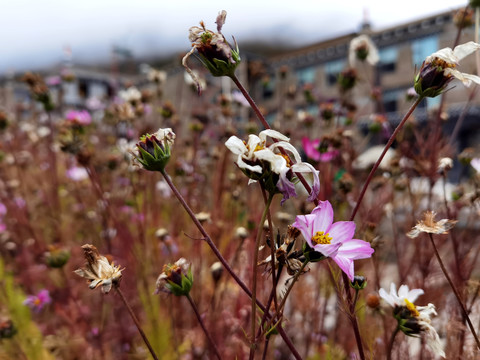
column 466, row 49
column 253, row 141
column 465, row 78
column 310, row 147
column 308, row 168
column 304, row 223
column 387, row 297
column 277, row 162
column 287, row 147
column 342, row 231
column 274, row 134
column 345, row 264
column 323, row 217
column 327, row 250
column 286, row 187
column 356, row 249
column 235, row 145
column 243, row 165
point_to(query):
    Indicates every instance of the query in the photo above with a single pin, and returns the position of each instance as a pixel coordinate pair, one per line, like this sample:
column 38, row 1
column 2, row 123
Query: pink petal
column 328, row 250
column 342, row 231
column 355, row 249
column 345, row 264
column 310, row 148
column 323, row 217
column 304, row 223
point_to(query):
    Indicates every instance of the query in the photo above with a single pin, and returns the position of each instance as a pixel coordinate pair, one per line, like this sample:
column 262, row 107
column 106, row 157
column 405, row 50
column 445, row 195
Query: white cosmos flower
column 431, row 335
column 413, row 320
column 452, row 59
column 252, row 150
column 362, row 48
column 254, row 154
column 394, row 299
column 132, row 94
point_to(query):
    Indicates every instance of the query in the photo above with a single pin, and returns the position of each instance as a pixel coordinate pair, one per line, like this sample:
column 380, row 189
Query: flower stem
column 284, row 299
column 352, row 316
column 254, row 106
column 199, row 318
column 254, row 271
column 455, row 291
column 390, row 343
column 377, row 164
column 137, row 324
column 223, row 261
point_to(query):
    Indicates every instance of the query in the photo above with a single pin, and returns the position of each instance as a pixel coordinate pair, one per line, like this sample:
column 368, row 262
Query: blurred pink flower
column 94, row 103
column 77, row 173
column 311, row 148
column 53, row 80
column 3, row 209
column 333, row 240
column 81, row 117
column 37, row 302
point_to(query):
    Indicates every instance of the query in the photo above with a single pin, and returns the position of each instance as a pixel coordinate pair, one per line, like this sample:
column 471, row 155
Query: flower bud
column 154, row 150
column 39, row 90
column 373, row 301
column 7, row 329
column 347, row 79
column 56, row 257
column 431, row 80
column 359, row 282
column 176, row 279
column 463, row 18
column 216, row 270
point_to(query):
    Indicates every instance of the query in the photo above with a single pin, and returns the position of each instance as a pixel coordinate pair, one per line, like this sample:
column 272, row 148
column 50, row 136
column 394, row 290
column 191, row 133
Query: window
column 306, row 75
column 390, row 100
column 422, row 48
column 388, row 59
column 332, row 69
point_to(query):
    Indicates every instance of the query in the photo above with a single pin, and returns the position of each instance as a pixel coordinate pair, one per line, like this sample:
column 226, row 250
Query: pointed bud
column 153, row 151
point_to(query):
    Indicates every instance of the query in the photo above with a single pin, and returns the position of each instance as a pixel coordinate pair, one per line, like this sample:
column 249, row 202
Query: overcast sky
column 34, row 33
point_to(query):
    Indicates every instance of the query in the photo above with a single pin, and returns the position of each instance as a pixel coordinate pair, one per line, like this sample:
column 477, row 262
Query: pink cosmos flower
column 311, row 148
column 333, row 240
column 37, row 302
column 77, row 173
column 79, row 117
column 3, row 209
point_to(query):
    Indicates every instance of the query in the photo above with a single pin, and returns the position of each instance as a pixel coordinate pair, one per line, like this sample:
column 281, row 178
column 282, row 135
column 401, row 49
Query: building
column 402, row 49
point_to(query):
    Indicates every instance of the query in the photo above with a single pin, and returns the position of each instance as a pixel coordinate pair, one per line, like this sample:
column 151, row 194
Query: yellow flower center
column 443, row 64
column 259, row 147
column 412, row 308
column 321, row 238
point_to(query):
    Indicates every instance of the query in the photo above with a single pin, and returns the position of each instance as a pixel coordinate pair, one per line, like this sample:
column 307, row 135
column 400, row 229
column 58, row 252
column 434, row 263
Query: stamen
column 412, row 308
column 321, row 238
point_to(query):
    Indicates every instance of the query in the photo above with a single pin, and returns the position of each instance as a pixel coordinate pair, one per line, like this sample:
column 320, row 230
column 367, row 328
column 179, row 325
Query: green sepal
column 311, row 255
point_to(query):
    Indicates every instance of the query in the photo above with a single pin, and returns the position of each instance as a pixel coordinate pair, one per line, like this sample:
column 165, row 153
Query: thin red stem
column 223, row 261
column 137, row 323
column 377, row 164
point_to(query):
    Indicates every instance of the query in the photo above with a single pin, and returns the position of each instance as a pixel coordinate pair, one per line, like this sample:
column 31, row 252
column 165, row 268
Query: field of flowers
column 128, row 231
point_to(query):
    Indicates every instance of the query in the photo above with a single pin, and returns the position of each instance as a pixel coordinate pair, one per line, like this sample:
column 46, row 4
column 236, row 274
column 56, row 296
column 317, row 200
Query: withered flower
column 285, row 254
column 176, row 279
column 429, row 225
column 98, row 270
column 216, row 54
